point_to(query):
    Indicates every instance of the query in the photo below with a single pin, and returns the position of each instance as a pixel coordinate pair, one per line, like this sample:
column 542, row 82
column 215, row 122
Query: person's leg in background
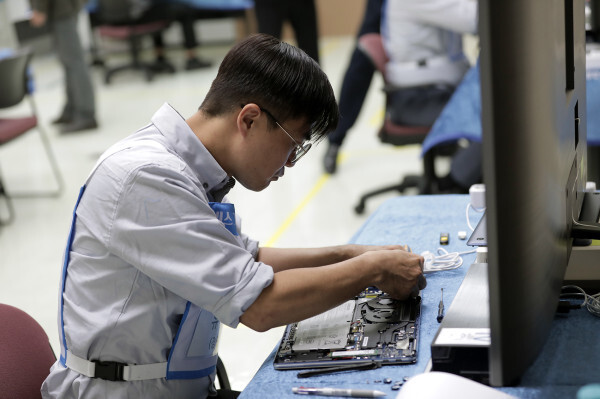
column 355, row 86
column 187, row 19
column 270, row 16
column 302, row 15
column 466, row 169
column 227, row 394
column 421, row 106
column 161, row 63
column 79, row 112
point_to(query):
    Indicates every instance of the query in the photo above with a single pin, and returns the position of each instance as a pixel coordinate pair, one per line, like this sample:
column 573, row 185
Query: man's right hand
column 400, row 272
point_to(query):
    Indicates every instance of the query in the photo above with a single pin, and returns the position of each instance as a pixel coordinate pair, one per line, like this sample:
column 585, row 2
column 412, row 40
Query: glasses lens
column 301, row 151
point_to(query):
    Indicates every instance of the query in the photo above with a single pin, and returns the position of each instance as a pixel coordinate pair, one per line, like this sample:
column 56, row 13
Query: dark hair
column 277, row 76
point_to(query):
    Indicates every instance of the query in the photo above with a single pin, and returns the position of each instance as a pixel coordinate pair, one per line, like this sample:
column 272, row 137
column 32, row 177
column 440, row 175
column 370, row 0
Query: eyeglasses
column 300, row 149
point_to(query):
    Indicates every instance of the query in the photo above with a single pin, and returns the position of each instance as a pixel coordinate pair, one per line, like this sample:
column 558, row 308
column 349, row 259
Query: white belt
column 435, row 62
column 435, row 70
column 114, row 371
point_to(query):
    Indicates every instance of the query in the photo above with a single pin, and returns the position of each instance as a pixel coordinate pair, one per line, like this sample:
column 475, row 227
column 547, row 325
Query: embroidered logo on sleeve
column 226, row 214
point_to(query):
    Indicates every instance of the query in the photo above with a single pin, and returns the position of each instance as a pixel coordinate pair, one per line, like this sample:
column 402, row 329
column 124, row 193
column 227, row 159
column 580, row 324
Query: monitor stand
column 583, row 269
column 461, row 345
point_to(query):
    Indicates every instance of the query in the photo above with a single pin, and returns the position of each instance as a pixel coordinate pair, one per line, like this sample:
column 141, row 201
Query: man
column 155, row 260
column 423, row 41
column 79, row 110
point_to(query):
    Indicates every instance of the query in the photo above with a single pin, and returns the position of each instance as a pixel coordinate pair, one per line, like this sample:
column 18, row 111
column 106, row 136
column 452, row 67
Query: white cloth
column 147, row 242
column 426, row 32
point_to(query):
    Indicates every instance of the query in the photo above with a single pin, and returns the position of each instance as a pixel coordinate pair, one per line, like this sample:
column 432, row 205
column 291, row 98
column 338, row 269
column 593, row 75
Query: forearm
column 297, row 294
column 300, row 290
column 293, row 258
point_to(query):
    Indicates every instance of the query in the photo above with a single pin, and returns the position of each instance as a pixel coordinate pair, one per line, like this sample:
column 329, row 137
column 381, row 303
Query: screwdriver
column 440, row 315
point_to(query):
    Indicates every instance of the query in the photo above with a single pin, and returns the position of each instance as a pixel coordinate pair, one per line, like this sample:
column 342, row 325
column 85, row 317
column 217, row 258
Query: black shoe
column 161, row 65
column 79, row 125
column 196, row 63
column 62, row 119
column 330, row 159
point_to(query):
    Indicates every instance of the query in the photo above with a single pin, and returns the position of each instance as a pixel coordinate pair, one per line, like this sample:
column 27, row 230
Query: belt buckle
column 111, row 371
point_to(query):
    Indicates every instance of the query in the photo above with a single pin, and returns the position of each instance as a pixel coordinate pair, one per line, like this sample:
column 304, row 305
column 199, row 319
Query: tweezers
column 328, row 370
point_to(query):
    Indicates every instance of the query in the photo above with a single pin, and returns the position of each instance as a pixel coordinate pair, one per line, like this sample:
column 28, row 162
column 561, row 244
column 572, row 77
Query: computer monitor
column 534, row 146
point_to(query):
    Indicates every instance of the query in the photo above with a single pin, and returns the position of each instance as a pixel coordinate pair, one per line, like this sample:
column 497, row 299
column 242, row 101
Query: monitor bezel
column 534, row 147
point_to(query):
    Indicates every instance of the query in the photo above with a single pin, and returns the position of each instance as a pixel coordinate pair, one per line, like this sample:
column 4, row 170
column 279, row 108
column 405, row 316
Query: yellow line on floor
column 377, row 118
column 328, row 48
column 290, row 219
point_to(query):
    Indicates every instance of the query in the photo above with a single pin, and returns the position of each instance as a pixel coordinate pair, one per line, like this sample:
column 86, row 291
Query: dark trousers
column 227, row 394
column 302, row 15
column 79, row 91
column 418, row 106
column 466, row 168
column 358, row 76
column 183, row 14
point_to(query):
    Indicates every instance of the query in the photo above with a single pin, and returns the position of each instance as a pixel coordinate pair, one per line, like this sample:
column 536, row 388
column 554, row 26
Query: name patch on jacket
column 226, row 214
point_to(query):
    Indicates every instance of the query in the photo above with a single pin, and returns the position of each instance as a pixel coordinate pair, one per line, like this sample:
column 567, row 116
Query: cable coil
column 444, row 260
column 591, row 302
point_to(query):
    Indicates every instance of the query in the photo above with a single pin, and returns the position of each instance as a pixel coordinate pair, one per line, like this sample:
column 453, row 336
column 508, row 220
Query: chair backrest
column 13, row 78
column 371, row 44
column 25, row 354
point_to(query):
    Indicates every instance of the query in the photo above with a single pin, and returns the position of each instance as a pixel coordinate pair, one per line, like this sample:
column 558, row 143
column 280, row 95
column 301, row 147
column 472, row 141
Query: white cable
column 469, row 206
column 593, row 305
column 591, row 302
column 444, row 260
column 468, row 221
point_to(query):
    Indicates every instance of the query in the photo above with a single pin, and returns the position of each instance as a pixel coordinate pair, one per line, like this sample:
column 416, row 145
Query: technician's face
column 275, row 149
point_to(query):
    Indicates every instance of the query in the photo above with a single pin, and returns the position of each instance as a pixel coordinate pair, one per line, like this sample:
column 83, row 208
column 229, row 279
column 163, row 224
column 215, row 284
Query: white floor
column 306, row 208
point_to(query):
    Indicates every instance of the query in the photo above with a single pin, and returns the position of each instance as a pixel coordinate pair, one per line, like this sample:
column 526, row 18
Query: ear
column 247, row 118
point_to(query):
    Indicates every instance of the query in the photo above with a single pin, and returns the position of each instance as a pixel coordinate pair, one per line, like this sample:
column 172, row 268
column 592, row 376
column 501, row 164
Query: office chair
column 222, row 376
column 25, row 354
column 111, row 20
column 372, row 46
column 14, row 83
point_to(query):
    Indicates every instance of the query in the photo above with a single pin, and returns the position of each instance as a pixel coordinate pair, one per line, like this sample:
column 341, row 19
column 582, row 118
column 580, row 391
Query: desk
column 570, row 358
column 219, row 5
column 461, row 118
